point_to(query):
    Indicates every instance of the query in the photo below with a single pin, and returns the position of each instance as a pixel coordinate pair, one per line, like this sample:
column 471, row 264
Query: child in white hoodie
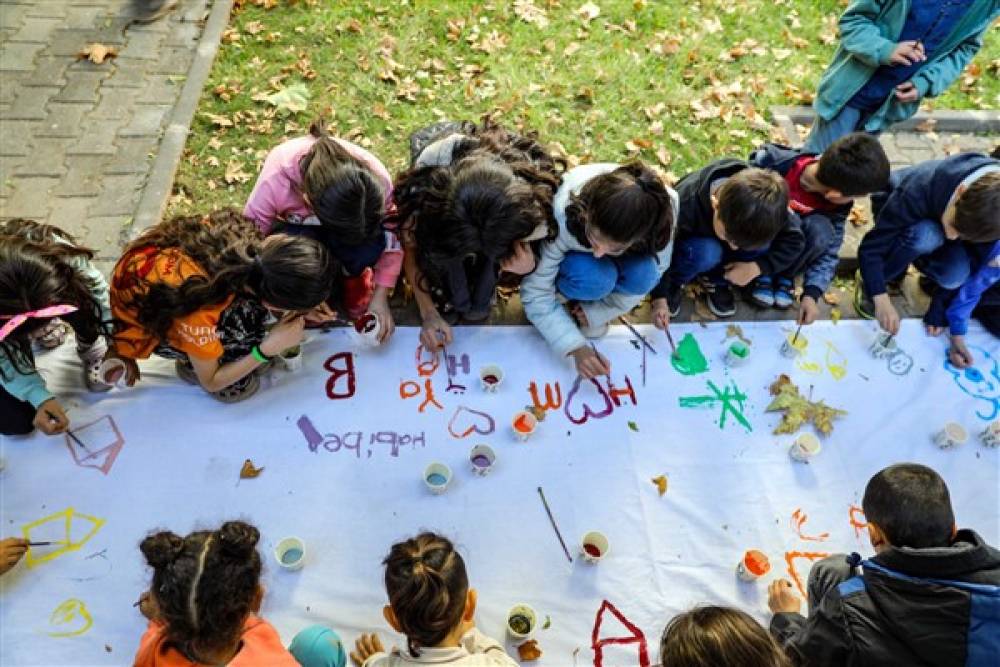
column 431, row 603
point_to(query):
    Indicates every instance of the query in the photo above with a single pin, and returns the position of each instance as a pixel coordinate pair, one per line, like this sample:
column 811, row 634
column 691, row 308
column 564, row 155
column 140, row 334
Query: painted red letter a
column 636, row 637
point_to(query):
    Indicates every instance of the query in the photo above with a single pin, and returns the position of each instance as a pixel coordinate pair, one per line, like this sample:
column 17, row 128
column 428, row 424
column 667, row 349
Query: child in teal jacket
column 892, row 54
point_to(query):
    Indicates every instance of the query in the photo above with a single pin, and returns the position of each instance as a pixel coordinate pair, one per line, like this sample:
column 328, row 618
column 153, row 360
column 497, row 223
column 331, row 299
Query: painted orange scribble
column 426, row 368
column 791, row 556
column 798, row 520
column 409, row 389
column 856, row 516
column 553, row 399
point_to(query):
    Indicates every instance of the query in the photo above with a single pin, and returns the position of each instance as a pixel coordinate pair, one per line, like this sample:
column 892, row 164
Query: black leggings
column 17, row 417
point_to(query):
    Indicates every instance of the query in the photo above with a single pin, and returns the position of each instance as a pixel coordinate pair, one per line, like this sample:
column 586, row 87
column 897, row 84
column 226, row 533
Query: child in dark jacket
column 913, row 604
column 822, row 190
column 734, row 225
column 942, row 217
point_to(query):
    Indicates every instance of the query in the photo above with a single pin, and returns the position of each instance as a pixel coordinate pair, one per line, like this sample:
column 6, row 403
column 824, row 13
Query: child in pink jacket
column 339, row 194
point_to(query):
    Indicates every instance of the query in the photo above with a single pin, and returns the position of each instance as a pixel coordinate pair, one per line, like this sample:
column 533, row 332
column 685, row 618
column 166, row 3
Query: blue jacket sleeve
column 28, row 387
column 820, row 273
column 967, row 297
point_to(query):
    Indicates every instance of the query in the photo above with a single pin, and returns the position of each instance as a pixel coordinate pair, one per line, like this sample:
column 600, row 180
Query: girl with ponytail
column 46, row 279
column 203, row 602
column 339, row 194
column 201, row 290
column 614, row 243
column 431, row 603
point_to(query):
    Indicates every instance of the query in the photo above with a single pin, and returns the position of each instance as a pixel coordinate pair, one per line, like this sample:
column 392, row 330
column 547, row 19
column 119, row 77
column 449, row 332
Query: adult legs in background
column 318, row 646
column 825, row 132
column 17, row 417
column 147, row 11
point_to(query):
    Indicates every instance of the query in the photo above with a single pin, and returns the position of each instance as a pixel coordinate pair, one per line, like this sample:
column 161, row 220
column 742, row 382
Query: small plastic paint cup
column 482, row 458
column 112, row 372
column 369, row 326
column 524, row 424
column 790, row 349
column 991, row 435
column 437, row 477
column 594, row 546
column 292, row 359
column 491, row 376
column 290, row 553
column 883, row 346
column 737, row 353
column 805, row 447
column 753, row 566
column 950, row 436
column 521, row 622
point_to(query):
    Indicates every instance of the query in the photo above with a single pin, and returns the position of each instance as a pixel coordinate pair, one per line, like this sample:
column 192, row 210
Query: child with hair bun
column 203, row 602
column 431, row 603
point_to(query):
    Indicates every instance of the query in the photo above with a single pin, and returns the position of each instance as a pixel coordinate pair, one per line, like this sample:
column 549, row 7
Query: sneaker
column 91, row 356
column 863, row 305
column 595, row 332
column 762, row 292
column 675, row 295
column 720, row 299
column 238, row 391
column 783, row 297
column 147, row 11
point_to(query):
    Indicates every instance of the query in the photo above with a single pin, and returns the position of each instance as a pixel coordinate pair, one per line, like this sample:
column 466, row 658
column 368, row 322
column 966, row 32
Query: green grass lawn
column 677, row 82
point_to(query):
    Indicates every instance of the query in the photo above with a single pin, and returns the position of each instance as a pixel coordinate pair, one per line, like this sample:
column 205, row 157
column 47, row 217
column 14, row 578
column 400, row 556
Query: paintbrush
column 636, row 333
column 796, row 336
column 670, row 339
column 40, row 544
column 553, row 522
column 70, row 433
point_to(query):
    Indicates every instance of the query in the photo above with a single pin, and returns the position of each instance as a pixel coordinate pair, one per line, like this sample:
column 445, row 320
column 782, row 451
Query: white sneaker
column 91, row 357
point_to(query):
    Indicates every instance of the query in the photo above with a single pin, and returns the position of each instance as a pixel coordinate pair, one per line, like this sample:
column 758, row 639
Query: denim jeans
column 924, row 245
column 705, row 255
column 825, row 132
column 583, row 277
column 819, row 232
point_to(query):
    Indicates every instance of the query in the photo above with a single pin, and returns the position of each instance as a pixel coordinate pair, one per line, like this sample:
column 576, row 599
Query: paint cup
column 437, row 477
column 991, row 436
column 951, row 435
column 524, row 424
column 482, row 458
column 521, row 622
column 491, row 376
column 793, row 347
column 884, row 346
column 805, row 447
column 737, row 353
column 369, row 326
column 290, row 553
column 753, row 566
column 111, row 372
column 292, row 359
column 594, row 546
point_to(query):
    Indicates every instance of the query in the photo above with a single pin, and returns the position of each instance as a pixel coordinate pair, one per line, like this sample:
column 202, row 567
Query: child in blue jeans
column 734, row 225
column 614, row 243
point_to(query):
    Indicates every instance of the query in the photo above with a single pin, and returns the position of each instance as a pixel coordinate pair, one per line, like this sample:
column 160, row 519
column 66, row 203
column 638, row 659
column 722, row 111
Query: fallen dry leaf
column 835, row 315
column 529, row 651
column 249, row 471
column 661, row 484
column 97, row 53
column 588, row 11
column 831, row 298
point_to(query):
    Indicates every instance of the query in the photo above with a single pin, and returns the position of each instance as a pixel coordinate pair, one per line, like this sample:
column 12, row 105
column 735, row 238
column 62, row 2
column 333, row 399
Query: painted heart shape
column 588, row 412
column 467, row 421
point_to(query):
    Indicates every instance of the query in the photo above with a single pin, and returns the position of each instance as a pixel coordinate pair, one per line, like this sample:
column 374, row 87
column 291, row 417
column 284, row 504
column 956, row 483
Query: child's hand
column 522, row 262
column 380, row 308
column 907, row 92
column 283, row 335
column 50, row 418
column 907, row 53
column 435, row 333
column 886, row 314
column 589, row 363
column 782, row 599
column 366, row 647
column 580, row 315
column 11, row 551
column 321, row 314
column 808, row 310
column 959, row 354
column 933, row 331
column 741, row 273
column 659, row 313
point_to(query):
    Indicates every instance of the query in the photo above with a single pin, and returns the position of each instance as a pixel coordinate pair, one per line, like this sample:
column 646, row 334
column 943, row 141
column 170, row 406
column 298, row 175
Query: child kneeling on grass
column 202, row 606
column 943, row 216
column 822, row 189
column 431, row 603
column 614, row 242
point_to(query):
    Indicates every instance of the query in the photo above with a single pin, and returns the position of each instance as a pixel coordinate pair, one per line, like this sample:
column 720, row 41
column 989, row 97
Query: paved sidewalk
column 76, row 138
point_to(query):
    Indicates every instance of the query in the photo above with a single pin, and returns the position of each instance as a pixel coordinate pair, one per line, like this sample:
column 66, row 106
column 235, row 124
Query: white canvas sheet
column 731, row 488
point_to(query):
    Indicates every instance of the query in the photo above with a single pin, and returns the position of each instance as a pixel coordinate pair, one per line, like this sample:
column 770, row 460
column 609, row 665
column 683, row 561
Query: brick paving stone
column 49, row 71
column 160, row 89
column 96, row 138
column 30, row 198
column 19, row 56
column 70, row 213
column 47, row 157
column 119, row 195
column 172, row 60
column 12, row 16
column 30, row 104
column 17, row 136
column 35, row 29
column 116, row 103
column 133, row 156
column 908, row 140
column 84, row 174
column 12, row 82
column 143, row 45
column 63, row 120
column 147, row 120
column 48, row 9
column 81, row 87
column 128, row 73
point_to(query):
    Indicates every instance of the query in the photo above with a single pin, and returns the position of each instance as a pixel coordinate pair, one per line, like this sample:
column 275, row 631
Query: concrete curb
column 946, row 120
column 158, row 186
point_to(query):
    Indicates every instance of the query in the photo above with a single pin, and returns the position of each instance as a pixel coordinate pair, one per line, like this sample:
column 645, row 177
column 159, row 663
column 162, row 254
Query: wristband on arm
column 258, row 355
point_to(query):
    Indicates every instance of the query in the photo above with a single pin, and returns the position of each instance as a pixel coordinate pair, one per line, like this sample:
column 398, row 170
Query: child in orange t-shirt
column 200, row 290
column 203, row 603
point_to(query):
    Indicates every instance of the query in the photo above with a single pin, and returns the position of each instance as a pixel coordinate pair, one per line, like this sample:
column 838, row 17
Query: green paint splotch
column 688, row 360
column 731, row 400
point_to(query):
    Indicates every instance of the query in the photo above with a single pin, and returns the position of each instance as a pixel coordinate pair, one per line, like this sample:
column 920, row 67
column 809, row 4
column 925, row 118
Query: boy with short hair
column 913, row 603
column 943, row 216
column 892, row 54
column 733, row 225
column 822, row 190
